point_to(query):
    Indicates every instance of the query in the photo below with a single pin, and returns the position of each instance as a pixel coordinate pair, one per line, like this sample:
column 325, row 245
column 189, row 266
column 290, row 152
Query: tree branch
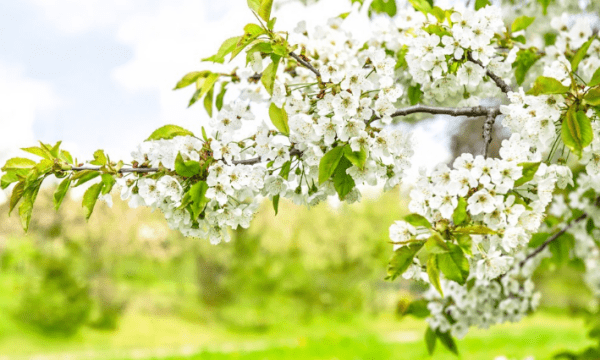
column 488, row 126
column 499, row 82
column 305, row 63
column 464, row 111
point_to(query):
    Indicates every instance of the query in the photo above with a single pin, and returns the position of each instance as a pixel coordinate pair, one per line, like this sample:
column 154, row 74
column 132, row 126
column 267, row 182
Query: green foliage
column 430, row 340
column 61, row 191
column 460, row 213
column 264, row 10
column 343, row 182
column 576, row 131
column 383, row 6
column 268, row 76
column 226, row 48
column 329, row 163
column 187, row 168
column 481, row 4
column 433, row 271
column 401, row 260
column 169, row 132
column 414, row 94
column 279, row 118
column 417, row 220
column 595, row 80
column 454, row 264
column 580, row 54
column 525, row 60
column 547, row 85
column 357, row 158
column 90, row 197
column 521, row 23
column 592, row 97
column 421, row 5
column 529, row 170
column 544, row 4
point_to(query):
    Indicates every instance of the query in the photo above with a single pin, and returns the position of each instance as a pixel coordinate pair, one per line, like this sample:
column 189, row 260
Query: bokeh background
column 306, row 284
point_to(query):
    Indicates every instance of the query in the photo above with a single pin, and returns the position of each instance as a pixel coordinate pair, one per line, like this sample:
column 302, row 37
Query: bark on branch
column 499, row 82
column 305, row 63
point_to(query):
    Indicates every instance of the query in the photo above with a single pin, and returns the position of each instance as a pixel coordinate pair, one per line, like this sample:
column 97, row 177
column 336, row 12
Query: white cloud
column 23, row 99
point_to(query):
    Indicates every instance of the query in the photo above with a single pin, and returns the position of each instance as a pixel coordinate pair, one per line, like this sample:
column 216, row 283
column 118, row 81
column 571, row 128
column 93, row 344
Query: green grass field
column 152, row 337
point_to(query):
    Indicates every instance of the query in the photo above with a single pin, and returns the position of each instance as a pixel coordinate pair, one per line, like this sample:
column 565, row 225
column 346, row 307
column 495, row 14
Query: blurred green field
column 307, row 284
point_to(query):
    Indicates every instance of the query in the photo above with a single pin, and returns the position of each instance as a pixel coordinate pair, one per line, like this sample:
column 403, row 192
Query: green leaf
column 342, row 182
column 207, row 86
column 418, row 309
column 109, row 181
column 430, row 340
column 417, row 220
column 276, row 203
column 169, row 132
column 447, row 340
column 474, row 230
column 460, row 213
column 26, row 207
column 198, row 194
column 521, row 23
column 264, row 11
column 435, row 244
column 576, row 131
column 268, row 76
column 402, row 259
column 84, row 176
column 220, row 96
column 254, row 5
column 55, row 150
column 66, row 156
column 99, row 158
column 595, row 80
column 580, row 54
column 17, row 194
column 279, row 118
column 384, row 6
column 285, row 169
column 414, row 94
column 208, row 102
column 357, row 158
column 186, row 168
column 90, row 197
column 434, row 273
column 544, row 4
column 481, row 4
column 329, row 163
column 529, row 170
column 454, row 264
column 524, row 61
column 60, row 192
column 465, row 242
column 18, row 163
column 227, row 47
column 592, row 97
column 42, row 152
column 547, row 85
column 421, row 5
column 190, row 78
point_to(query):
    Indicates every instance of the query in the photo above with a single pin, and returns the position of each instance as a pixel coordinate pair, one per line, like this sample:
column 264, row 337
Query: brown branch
column 499, row 82
column 305, row 63
column 488, row 126
column 474, row 111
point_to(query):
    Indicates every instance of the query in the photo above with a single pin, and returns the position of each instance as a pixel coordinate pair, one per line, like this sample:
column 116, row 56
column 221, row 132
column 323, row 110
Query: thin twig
column 305, row 63
column 499, row 82
column 488, row 126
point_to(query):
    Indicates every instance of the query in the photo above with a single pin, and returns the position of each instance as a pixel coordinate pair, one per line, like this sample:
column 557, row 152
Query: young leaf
column 529, row 170
column 227, row 47
column 186, row 168
column 576, row 131
column 474, row 230
column 190, row 78
column 460, row 213
column 90, row 197
column 430, row 340
column 417, row 308
column 42, row 152
column 220, row 96
column 285, row 169
column 402, row 259
column 60, row 192
column 279, row 118
column 207, row 86
column 99, row 158
column 276, row 203
column 435, row 244
column 417, row 220
column 384, row 6
column 447, row 340
column 434, row 273
column 198, row 194
column 268, row 76
column 18, row 163
column 357, row 158
column 26, row 207
column 580, row 54
column 329, row 163
column 592, row 97
column 169, row 132
column 414, row 94
column 208, row 102
column 521, row 23
column 454, row 265
column 595, row 80
column 525, row 60
column 264, row 11
column 547, row 85
column 343, row 182
column 254, row 5
column 544, row 4
column 84, row 176
column 481, row 4
column 17, row 194
column 421, row 5
column 109, row 181
column 466, row 243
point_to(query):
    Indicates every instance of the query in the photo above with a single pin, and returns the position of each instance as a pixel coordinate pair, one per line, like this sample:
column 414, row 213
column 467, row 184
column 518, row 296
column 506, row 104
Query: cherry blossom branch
column 305, row 63
column 473, row 111
column 499, row 82
column 488, row 126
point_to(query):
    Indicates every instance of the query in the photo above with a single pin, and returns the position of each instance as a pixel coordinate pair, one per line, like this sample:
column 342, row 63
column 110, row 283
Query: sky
column 100, row 73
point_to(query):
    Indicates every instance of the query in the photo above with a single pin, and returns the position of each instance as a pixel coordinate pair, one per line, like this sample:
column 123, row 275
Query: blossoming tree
column 478, row 229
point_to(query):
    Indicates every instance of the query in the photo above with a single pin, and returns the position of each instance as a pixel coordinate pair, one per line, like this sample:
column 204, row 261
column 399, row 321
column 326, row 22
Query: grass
column 153, row 337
